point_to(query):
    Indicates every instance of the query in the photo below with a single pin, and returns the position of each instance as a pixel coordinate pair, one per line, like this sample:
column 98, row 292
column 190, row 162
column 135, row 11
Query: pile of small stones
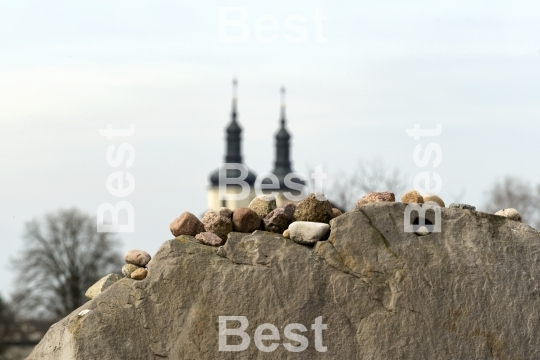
column 136, row 261
column 305, row 223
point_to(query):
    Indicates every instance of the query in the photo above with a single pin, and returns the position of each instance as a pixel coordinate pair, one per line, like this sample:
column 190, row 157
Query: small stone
column 210, row 239
column 422, row 231
column 290, row 208
column 372, row 197
column 128, row 269
column 412, row 196
column 223, row 211
column 245, row 220
column 287, row 234
column 139, row 274
column 263, row 205
column 217, row 224
column 314, row 208
column 186, row 224
column 101, row 285
column 510, row 213
column 307, row 233
column 336, row 212
column 137, row 257
column 462, row 206
column 277, row 221
column 433, row 197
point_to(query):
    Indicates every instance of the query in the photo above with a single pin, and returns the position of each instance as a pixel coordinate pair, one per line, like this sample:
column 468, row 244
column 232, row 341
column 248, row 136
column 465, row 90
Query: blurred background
column 357, row 73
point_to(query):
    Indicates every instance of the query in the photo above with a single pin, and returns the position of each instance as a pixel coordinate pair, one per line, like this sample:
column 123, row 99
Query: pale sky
column 68, row 69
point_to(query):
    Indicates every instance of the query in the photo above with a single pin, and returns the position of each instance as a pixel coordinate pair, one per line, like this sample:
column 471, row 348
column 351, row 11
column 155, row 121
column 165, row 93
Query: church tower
column 282, row 165
column 233, row 155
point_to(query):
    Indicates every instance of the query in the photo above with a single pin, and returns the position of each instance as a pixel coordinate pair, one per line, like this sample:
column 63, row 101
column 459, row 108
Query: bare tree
column 63, row 255
column 512, row 192
column 370, row 175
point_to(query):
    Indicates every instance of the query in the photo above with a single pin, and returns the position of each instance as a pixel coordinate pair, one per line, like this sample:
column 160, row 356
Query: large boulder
column 470, row 291
column 101, row 285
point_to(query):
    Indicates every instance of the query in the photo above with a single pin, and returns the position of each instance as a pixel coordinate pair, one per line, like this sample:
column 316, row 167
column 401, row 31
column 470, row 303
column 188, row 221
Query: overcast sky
column 361, row 76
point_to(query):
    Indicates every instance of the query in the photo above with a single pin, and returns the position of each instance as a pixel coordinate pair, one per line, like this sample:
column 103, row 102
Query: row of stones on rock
column 261, row 214
column 413, row 196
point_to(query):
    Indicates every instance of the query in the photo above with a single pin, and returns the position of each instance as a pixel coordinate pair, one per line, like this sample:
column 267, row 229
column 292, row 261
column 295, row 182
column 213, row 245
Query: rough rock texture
column 336, row 212
column 412, row 196
column 139, row 274
column 277, row 221
column 463, row 206
column 433, row 197
column 186, row 224
column 510, row 213
column 468, row 292
column 223, row 211
column 137, row 257
column 373, row 197
column 210, row 239
column 290, row 208
column 315, row 208
column 305, row 232
column 263, row 205
column 128, row 269
column 245, row 220
column 217, row 224
column 101, row 285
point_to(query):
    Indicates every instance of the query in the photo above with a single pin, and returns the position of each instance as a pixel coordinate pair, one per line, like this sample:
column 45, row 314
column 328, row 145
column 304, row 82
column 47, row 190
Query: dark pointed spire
column 283, row 162
column 234, row 133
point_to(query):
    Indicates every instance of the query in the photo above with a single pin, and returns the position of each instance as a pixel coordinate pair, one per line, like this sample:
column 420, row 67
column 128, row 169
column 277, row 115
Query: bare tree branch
column 63, row 256
column 370, row 175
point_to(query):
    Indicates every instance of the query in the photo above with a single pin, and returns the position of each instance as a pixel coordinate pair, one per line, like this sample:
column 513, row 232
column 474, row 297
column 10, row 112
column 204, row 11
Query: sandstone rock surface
column 468, row 292
column 463, row 206
column 186, row 224
column 101, row 285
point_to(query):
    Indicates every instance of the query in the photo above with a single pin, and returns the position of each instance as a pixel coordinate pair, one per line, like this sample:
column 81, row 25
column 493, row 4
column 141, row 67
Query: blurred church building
column 233, row 155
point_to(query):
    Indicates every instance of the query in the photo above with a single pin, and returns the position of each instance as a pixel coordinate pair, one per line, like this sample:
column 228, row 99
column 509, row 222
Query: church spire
column 283, row 162
column 282, row 107
column 234, row 132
